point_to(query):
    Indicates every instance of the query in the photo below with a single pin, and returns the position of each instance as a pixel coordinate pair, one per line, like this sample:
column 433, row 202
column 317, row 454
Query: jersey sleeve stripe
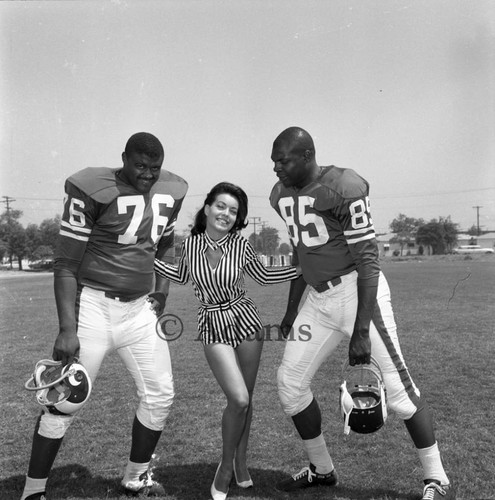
column 74, row 236
column 170, row 227
column 366, row 229
column 353, row 240
column 76, row 229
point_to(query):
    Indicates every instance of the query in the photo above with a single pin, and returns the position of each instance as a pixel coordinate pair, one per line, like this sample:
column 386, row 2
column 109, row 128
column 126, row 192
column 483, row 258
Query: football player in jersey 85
column 115, row 222
column 327, row 214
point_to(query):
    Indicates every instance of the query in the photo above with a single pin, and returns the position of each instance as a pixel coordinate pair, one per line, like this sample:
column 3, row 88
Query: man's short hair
column 144, row 143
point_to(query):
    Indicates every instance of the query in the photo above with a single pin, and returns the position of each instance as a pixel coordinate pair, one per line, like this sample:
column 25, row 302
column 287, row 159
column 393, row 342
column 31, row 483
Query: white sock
column 432, row 464
column 318, row 455
column 132, row 472
column 33, row 486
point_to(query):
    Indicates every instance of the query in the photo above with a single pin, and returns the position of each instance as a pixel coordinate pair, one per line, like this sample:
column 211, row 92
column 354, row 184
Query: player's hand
column 359, row 349
column 287, row 322
column 66, row 348
column 157, row 302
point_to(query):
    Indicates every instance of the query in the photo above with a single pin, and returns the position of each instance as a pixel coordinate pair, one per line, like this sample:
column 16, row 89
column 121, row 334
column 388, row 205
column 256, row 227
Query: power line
column 432, row 193
column 40, row 199
column 412, row 195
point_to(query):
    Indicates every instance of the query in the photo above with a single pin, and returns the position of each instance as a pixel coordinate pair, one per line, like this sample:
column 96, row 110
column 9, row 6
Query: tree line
column 36, row 243
column 439, row 235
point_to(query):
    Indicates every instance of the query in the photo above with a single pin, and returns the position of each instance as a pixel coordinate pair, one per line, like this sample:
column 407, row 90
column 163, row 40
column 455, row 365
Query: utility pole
column 255, row 221
column 263, row 249
column 8, row 201
column 478, row 218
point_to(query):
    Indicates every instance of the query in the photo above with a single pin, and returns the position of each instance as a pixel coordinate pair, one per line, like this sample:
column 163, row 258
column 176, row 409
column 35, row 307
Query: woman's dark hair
column 223, row 188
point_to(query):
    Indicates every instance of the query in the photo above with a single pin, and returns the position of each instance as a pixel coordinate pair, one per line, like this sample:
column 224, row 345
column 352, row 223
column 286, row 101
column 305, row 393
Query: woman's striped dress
column 225, row 314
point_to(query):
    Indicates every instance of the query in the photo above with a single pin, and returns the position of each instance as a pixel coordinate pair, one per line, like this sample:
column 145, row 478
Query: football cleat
column 61, row 389
column 363, row 401
column 144, row 486
column 307, row 477
column 435, row 491
column 37, row 496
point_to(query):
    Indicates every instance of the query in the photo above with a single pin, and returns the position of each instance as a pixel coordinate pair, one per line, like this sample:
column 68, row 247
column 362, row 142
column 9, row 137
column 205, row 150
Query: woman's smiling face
column 221, row 215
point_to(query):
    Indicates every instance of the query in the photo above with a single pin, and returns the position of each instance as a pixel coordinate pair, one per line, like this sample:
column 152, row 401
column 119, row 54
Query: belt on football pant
column 329, row 284
column 120, row 298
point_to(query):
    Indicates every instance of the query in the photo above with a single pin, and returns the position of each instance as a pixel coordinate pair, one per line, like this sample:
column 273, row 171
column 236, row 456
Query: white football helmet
column 64, row 389
column 364, row 404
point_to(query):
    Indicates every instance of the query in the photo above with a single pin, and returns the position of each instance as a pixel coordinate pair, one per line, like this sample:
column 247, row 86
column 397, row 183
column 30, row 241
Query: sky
column 401, row 91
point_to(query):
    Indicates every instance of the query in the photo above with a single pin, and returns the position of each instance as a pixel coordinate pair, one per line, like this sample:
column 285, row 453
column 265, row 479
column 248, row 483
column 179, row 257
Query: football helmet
column 363, row 400
column 61, row 389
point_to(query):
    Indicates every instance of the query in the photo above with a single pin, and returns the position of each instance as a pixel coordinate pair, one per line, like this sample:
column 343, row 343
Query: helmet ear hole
column 364, row 407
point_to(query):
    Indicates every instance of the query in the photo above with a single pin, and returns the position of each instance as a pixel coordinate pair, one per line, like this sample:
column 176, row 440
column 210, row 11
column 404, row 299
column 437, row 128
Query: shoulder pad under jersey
column 340, row 184
column 170, row 183
column 97, row 182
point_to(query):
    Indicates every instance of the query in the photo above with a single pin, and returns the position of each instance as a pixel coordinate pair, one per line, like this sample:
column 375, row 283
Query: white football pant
column 323, row 321
column 106, row 325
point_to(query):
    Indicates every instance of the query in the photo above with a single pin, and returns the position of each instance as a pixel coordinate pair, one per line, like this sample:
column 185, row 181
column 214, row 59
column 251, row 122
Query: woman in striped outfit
column 215, row 258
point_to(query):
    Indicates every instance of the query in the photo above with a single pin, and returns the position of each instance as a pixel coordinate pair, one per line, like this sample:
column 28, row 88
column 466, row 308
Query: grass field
column 445, row 311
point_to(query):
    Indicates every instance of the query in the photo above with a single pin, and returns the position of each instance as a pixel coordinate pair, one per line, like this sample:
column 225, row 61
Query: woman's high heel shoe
column 243, row 484
column 216, row 494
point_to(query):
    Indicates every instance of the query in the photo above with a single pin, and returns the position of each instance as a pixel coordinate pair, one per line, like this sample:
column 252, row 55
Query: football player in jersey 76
column 327, row 214
column 115, row 222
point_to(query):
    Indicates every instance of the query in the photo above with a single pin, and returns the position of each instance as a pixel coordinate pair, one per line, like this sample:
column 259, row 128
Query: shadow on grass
column 185, row 482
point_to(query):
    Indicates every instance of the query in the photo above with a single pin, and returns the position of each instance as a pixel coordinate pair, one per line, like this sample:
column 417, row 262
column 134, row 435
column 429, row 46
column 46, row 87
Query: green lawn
column 445, row 310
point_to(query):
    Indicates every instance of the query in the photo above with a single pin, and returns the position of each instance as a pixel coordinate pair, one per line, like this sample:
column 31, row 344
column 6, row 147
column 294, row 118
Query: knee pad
column 153, row 411
column 153, row 416
column 293, row 398
column 54, row 426
column 403, row 406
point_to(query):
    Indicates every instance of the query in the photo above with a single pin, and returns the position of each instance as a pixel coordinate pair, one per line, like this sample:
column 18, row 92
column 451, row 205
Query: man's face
column 141, row 171
column 290, row 164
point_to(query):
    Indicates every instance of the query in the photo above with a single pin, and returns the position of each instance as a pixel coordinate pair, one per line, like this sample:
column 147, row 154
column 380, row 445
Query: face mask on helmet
column 363, row 401
column 61, row 389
